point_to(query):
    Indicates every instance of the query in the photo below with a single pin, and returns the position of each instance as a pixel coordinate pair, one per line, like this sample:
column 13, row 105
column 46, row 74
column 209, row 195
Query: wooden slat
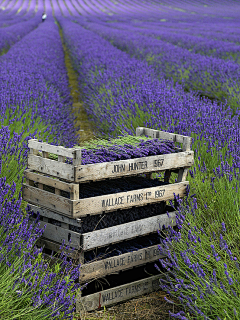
column 159, row 134
column 78, row 157
column 61, row 158
column 139, row 131
column 56, row 216
column 33, row 151
column 165, row 135
column 57, row 191
column 167, row 175
column 45, row 154
column 182, row 174
column 59, row 234
column 47, row 199
column 100, row 269
column 74, row 195
column 42, row 242
column 29, row 182
column 103, row 237
column 122, row 168
column 55, row 183
column 123, row 200
column 59, row 150
column 118, row 294
column 51, row 167
column 187, row 143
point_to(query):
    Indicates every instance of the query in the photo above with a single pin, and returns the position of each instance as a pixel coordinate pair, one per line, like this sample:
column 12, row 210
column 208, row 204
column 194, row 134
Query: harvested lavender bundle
column 127, row 151
column 123, row 148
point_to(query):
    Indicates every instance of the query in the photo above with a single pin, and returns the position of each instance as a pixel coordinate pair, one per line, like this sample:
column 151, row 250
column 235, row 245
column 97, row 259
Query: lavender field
column 101, row 68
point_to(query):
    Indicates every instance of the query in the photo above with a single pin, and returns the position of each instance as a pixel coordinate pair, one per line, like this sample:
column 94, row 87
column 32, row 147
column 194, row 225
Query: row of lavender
column 216, row 48
column 34, row 103
column 122, row 92
column 15, row 32
column 209, row 75
column 122, row 9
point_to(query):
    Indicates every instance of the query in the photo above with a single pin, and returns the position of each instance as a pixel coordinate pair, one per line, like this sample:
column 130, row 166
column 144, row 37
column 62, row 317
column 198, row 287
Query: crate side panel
column 59, row 150
column 123, row 200
column 51, row 167
column 99, row 269
column 103, row 237
column 118, row 294
column 59, row 234
column 47, row 199
column 56, row 216
column 56, row 183
column 122, row 168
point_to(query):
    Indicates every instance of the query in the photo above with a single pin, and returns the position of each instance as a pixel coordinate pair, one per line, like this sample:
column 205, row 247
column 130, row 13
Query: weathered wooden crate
column 54, row 236
column 77, row 173
column 93, row 205
column 65, row 177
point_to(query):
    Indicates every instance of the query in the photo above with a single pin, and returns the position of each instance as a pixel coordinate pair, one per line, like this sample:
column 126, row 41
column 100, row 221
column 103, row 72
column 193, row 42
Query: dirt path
column 86, row 130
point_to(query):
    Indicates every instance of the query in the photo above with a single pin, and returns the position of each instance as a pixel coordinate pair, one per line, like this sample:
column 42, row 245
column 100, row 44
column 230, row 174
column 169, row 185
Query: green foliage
column 21, row 124
column 121, row 140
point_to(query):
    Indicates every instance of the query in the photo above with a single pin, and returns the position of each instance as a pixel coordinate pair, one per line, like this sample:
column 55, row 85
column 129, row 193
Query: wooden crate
column 77, row 208
column 54, row 235
column 62, row 176
column 78, row 173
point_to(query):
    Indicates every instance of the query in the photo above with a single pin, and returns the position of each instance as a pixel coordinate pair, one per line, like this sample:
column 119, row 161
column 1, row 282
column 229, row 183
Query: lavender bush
column 29, row 288
column 202, row 260
column 209, row 75
column 15, row 32
column 35, row 103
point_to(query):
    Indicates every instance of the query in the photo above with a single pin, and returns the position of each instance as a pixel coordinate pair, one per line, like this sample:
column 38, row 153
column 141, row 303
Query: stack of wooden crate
column 52, row 189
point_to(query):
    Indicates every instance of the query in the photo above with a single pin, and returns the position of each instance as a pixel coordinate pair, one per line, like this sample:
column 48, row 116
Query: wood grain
column 56, row 216
column 99, row 171
column 59, row 234
column 118, row 294
column 123, row 200
column 100, row 269
column 51, row 167
column 47, row 199
column 55, row 183
column 103, row 237
column 59, row 150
